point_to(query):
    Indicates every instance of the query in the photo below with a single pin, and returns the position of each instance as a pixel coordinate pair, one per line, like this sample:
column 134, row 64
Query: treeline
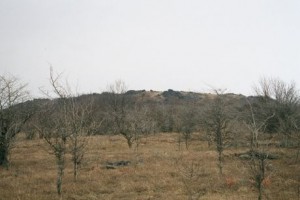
column 169, row 111
column 114, row 112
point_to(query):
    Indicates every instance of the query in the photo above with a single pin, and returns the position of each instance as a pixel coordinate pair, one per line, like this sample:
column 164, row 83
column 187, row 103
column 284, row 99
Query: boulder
column 117, row 164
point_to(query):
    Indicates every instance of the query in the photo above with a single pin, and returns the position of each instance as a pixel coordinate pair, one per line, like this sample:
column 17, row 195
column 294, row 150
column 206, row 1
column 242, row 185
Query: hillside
column 163, row 107
column 152, row 145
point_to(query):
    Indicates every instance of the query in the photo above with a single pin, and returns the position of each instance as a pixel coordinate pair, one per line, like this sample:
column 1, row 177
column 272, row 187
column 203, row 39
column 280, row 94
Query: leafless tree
column 141, row 124
column 185, row 123
column 129, row 115
column 119, row 108
column 53, row 125
column 80, row 122
column 63, row 124
column 258, row 171
column 282, row 99
column 217, row 122
column 12, row 93
column 258, row 155
column 191, row 174
column 264, row 88
column 287, row 107
column 255, row 127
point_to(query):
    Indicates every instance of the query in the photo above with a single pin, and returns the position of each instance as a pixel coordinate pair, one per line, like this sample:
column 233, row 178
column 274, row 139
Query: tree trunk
column 60, row 172
column 298, row 152
column 298, row 187
column 260, row 192
column 186, row 142
column 179, row 142
column 3, row 152
column 220, row 163
column 261, row 178
column 76, row 158
column 59, row 182
column 129, row 142
column 75, row 171
column 219, row 138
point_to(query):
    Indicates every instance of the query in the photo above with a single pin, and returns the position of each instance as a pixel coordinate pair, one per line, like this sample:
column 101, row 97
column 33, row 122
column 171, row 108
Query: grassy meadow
column 158, row 170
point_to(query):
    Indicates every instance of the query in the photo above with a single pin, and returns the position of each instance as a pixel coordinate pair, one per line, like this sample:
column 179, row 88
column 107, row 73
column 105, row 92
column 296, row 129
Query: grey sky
column 151, row 44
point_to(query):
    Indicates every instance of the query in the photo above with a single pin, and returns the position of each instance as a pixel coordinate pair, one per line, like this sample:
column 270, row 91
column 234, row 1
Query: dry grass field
column 158, row 171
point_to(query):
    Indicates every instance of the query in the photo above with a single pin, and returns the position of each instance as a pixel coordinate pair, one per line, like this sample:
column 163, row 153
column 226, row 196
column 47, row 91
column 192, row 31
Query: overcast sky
column 186, row 45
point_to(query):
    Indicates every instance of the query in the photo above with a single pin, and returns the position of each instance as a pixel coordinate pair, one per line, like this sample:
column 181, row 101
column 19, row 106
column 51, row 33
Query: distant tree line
column 173, row 111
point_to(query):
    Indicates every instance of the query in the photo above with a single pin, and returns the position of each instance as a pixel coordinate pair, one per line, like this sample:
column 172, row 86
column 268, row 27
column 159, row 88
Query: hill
column 163, row 107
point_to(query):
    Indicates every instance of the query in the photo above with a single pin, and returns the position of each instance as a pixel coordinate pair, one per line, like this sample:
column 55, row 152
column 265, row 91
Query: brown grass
column 158, row 171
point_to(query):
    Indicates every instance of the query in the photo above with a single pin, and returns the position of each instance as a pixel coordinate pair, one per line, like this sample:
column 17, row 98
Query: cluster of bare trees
column 64, row 120
column 277, row 112
column 63, row 123
column 273, row 111
column 127, row 115
column 283, row 100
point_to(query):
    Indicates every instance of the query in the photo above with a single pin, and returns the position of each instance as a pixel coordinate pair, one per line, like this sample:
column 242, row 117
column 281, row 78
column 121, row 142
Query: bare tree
column 128, row 114
column 63, row 124
column 191, row 174
column 80, row 122
column 217, row 121
column 53, row 125
column 258, row 156
column 12, row 93
column 258, row 170
column 264, row 88
column 282, row 99
column 255, row 127
column 287, row 105
column 140, row 124
column 119, row 108
column 185, row 123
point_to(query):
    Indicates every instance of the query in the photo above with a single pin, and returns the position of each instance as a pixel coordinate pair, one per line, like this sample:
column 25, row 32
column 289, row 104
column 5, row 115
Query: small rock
column 245, row 156
column 115, row 165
